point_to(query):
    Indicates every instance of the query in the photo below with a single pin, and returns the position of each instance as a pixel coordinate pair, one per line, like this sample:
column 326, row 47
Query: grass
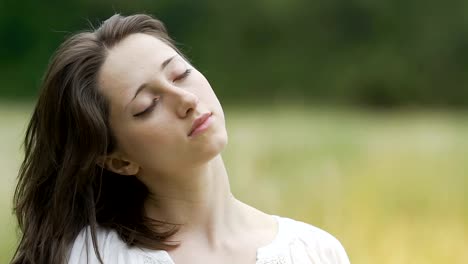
column 12, row 125
column 389, row 185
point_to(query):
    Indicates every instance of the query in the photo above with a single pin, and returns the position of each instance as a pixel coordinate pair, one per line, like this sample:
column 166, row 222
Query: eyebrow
column 143, row 86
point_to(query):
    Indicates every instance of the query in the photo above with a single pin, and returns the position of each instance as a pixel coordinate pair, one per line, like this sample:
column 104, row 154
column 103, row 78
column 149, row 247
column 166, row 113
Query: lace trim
column 272, row 260
column 150, row 260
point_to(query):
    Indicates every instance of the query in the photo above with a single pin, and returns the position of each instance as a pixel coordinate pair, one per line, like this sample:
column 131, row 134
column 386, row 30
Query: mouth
column 200, row 124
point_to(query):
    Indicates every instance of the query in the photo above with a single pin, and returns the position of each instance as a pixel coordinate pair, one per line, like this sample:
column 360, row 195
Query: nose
column 186, row 102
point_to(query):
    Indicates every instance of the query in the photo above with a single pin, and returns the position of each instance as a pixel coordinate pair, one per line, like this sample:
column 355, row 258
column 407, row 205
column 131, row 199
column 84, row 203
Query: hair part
column 61, row 189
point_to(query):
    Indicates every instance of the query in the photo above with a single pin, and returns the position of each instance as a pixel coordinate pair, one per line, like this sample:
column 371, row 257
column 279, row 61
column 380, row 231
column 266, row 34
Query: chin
column 221, row 140
column 217, row 144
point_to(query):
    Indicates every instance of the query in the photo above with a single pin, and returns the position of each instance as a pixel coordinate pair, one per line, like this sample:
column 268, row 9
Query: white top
column 295, row 243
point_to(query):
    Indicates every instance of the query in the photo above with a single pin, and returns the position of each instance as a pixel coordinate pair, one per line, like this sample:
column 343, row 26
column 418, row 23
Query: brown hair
column 61, row 189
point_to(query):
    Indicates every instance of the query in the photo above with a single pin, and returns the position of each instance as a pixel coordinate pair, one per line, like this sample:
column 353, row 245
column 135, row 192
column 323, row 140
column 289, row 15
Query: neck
column 200, row 199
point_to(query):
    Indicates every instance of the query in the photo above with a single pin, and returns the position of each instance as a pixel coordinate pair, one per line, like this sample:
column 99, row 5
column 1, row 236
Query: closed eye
column 148, row 109
column 183, row 75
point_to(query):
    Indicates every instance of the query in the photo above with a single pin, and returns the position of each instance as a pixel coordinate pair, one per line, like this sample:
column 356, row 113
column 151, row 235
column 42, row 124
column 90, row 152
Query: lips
column 199, row 122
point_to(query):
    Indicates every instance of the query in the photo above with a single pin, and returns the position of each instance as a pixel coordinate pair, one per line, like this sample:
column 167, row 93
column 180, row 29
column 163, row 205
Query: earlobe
column 118, row 165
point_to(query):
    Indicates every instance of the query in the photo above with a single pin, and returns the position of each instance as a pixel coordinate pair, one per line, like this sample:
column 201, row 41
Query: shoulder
column 305, row 241
column 110, row 247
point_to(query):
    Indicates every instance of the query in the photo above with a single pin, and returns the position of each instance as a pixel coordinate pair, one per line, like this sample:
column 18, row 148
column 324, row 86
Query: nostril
column 188, row 102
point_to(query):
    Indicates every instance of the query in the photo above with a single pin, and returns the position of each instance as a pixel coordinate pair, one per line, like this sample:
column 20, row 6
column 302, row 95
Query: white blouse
column 295, row 243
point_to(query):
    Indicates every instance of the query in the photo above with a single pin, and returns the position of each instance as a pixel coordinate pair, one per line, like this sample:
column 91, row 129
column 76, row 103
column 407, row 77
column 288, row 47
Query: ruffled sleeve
column 329, row 251
column 301, row 243
column 316, row 246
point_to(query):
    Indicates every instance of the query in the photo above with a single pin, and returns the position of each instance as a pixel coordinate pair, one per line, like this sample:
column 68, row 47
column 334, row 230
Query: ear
column 119, row 165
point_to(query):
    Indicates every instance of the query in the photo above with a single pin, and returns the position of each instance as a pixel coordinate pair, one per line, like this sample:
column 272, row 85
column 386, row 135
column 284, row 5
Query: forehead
column 130, row 62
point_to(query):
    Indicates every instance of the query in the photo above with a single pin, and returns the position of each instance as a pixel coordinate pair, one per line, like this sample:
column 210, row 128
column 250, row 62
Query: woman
column 122, row 163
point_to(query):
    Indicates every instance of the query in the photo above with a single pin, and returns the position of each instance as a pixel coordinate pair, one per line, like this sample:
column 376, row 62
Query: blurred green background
column 350, row 115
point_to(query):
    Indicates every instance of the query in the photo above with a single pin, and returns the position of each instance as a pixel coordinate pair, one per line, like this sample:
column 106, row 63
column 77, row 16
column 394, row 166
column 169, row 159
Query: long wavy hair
column 61, row 188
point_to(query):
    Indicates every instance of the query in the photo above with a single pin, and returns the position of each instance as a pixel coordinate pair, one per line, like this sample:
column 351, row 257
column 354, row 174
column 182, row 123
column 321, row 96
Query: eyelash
column 183, row 75
column 156, row 99
column 147, row 110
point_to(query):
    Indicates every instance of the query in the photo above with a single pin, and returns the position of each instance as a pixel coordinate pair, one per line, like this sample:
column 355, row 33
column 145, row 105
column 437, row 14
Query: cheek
column 150, row 145
column 137, row 140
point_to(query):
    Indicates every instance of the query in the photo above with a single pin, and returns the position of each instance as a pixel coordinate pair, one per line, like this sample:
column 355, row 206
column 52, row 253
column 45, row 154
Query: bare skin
column 184, row 172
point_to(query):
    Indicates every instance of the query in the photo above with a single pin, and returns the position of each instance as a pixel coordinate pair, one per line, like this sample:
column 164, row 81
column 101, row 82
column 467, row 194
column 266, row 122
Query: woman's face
column 155, row 96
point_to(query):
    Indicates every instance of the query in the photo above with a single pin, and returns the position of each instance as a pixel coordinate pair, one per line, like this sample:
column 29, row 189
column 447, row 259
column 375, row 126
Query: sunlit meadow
column 389, row 185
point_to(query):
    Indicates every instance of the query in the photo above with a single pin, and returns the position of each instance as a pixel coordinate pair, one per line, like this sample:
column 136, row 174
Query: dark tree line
column 383, row 53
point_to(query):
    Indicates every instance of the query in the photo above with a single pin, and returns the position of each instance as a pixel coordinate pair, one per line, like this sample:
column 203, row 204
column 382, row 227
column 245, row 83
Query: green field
column 391, row 186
